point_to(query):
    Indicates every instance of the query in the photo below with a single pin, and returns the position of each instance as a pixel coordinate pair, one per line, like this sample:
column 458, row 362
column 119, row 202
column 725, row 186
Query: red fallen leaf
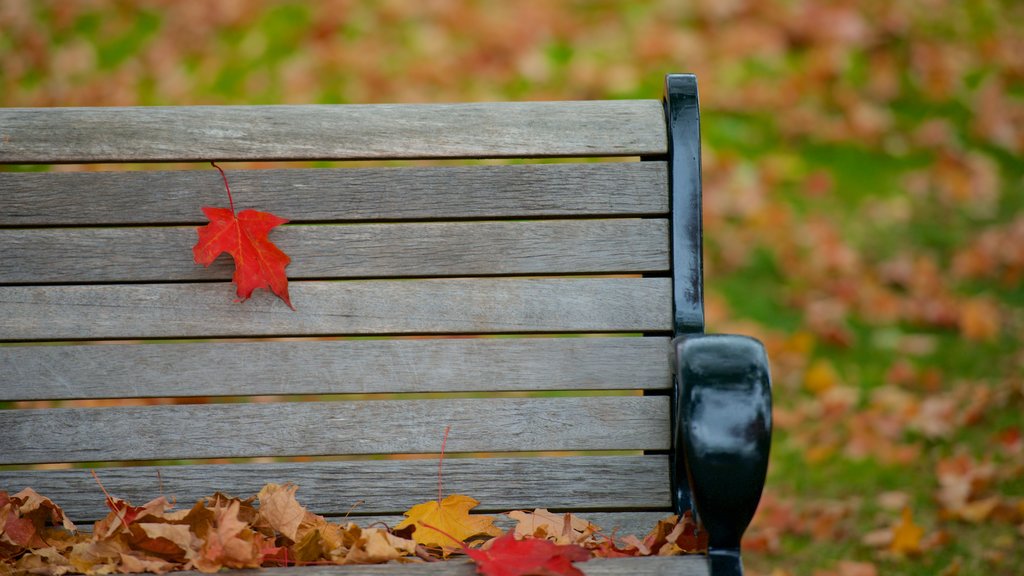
column 506, row 556
column 258, row 262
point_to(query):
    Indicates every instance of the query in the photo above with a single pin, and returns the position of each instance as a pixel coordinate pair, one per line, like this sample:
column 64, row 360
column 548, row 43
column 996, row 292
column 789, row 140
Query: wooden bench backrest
column 553, row 277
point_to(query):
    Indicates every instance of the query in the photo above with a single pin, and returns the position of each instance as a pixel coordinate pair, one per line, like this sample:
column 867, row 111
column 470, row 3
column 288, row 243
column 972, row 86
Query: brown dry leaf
column 169, row 541
column 310, row 547
column 316, row 539
column 671, row 536
column 685, row 538
column 229, row 543
column 98, row 556
column 43, row 561
column 41, row 508
column 935, row 417
column 559, row 528
column 133, row 563
column 376, row 546
column 24, row 518
column 123, row 514
column 451, row 515
column 635, row 546
column 280, row 510
column 246, row 511
column 849, row 568
column 962, row 482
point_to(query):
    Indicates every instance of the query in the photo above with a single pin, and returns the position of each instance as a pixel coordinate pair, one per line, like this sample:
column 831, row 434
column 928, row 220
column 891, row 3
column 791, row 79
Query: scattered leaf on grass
column 906, row 536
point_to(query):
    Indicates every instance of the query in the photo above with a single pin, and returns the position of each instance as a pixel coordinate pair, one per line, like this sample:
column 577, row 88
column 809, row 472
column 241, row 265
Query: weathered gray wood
column 483, row 305
column 373, row 487
column 332, row 132
column 326, row 428
column 334, row 367
column 344, row 251
column 337, row 194
column 694, row 565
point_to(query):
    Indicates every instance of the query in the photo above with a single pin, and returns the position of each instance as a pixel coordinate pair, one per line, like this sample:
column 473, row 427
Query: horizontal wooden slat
column 332, row 132
column 325, row 428
column 345, row 251
column 337, row 194
column 334, row 367
column 692, row 565
column 482, row 305
column 374, row 487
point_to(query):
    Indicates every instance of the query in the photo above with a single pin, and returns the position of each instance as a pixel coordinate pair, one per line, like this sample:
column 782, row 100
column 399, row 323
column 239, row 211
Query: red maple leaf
column 258, row 262
column 506, row 556
column 510, row 557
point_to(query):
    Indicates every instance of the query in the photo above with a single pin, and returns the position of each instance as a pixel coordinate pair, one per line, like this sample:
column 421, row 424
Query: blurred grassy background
column 863, row 206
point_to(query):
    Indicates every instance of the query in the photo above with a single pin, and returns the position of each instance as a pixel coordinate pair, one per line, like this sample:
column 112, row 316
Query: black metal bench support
column 722, row 395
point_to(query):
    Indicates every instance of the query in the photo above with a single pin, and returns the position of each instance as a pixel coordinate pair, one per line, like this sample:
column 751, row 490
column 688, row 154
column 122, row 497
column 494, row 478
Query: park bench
column 550, row 312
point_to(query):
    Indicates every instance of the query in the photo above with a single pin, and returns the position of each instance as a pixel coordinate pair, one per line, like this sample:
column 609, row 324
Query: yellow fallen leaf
column 820, row 377
column 450, row 515
column 906, row 536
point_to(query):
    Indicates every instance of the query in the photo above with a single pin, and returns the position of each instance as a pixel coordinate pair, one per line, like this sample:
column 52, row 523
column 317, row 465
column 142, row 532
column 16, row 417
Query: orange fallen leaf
column 979, row 320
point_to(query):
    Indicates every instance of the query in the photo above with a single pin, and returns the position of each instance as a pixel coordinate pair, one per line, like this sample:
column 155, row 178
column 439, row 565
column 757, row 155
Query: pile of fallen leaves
column 273, row 529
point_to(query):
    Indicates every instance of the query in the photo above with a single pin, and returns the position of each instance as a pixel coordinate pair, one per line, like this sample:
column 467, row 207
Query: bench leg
column 722, row 436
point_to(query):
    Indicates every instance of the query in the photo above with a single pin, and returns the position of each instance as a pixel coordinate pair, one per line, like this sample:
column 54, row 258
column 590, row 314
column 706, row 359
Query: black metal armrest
column 722, row 436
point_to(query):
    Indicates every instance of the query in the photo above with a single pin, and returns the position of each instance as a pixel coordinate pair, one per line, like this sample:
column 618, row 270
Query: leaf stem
column 110, row 501
column 231, row 202
column 440, row 461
